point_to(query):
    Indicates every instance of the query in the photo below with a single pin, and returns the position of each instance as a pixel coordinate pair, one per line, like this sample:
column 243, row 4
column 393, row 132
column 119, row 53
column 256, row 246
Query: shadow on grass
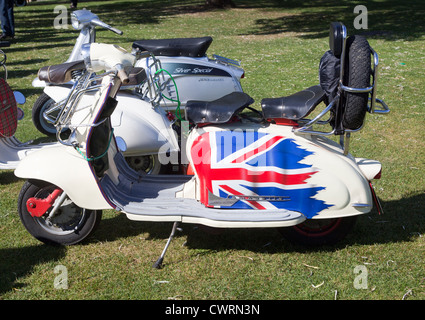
column 402, row 221
column 387, row 19
column 7, row 177
column 17, row 263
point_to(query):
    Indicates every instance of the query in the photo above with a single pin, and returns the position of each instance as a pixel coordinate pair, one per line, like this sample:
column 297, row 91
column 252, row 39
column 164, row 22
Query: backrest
column 337, row 34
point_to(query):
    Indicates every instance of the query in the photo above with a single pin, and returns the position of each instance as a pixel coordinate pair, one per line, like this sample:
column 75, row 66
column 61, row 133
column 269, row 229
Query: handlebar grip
column 117, row 31
column 102, row 24
column 123, row 76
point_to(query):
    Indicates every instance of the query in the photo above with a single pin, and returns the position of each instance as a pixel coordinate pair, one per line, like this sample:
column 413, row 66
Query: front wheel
column 316, row 232
column 69, row 225
column 43, row 103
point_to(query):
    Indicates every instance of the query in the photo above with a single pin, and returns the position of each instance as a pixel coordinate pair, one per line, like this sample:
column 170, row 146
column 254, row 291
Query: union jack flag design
column 253, row 170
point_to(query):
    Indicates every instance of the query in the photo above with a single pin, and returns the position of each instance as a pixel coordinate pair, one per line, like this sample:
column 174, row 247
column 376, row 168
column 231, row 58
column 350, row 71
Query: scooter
column 277, row 170
column 11, row 149
column 196, row 76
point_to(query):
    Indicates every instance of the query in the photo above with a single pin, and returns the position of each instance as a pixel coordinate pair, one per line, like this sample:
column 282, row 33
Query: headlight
column 75, row 22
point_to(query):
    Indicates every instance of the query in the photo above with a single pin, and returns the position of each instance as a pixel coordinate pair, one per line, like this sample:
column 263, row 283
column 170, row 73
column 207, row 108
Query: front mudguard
column 67, row 169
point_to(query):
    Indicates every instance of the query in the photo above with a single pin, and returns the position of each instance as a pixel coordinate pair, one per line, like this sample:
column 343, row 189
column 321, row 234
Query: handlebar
column 109, row 57
column 83, row 18
column 102, row 24
column 122, row 74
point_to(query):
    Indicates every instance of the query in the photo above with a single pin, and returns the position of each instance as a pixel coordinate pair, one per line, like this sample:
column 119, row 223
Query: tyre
column 70, row 224
column 356, row 75
column 40, row 106
column 317, row 232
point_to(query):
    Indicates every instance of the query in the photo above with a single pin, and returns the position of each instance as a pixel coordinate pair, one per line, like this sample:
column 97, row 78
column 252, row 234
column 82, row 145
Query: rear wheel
column 70, row 224
column 316, row 232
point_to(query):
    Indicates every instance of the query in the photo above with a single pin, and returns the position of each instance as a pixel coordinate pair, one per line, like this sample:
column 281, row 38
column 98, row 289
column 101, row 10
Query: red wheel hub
column 38, row 207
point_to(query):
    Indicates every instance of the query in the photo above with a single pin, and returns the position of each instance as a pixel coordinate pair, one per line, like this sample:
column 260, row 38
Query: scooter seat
column 185, row 47
column 295, row 106
column 217, row 111
column 60, row 73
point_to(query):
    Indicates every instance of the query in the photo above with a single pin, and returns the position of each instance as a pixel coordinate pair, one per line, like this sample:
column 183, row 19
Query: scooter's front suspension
column 38, row 207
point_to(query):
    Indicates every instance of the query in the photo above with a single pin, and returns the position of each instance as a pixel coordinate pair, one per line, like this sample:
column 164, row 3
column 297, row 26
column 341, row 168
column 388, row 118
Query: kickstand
column 158, row 263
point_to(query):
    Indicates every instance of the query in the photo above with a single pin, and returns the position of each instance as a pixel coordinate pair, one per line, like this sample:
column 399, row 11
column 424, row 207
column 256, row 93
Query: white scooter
column 191, row 74
column 274, row 171
column 196, row 76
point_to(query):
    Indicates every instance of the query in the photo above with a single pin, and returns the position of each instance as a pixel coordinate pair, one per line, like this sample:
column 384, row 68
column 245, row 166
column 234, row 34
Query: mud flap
column 376, row 200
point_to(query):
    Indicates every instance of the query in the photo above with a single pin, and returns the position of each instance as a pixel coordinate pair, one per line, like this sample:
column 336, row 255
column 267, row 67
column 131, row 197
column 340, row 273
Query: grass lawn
column 280, row 44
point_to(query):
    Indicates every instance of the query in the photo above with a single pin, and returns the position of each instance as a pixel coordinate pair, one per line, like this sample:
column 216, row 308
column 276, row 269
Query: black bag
column 329, row 72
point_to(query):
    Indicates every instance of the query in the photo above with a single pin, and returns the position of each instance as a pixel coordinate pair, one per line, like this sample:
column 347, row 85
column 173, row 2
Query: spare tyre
column 357, row 73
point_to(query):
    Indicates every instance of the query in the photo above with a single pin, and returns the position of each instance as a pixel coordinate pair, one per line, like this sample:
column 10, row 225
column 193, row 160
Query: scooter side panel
column 51, row 165
column 145, row 130
column 269, row 167
column 196, row 79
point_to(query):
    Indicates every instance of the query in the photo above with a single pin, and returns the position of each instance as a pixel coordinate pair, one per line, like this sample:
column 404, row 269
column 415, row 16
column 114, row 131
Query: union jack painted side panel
column 255, row 170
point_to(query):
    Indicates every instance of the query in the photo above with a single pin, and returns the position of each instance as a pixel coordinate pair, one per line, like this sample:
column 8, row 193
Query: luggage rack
column 151, row 89
column 226, row 61
column 87, row 82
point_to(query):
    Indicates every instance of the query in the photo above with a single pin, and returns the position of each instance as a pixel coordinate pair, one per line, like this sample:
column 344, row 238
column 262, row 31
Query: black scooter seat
column 295, row 106
column 185, row 47
column 217, row 111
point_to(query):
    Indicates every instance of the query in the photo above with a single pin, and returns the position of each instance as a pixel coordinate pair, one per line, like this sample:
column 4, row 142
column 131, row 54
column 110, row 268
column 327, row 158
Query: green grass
column 280, row 44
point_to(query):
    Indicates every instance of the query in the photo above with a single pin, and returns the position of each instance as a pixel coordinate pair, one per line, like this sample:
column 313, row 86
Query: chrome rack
column 226, row 61
column 151, row 89
column 371, row 108
column 87, row 82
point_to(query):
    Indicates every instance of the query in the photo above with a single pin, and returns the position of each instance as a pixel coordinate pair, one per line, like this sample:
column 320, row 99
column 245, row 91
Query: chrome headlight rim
column 76, row 24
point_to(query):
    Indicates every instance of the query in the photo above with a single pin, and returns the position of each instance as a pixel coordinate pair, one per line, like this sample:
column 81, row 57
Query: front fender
column 64, row 167
column 57, row 93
